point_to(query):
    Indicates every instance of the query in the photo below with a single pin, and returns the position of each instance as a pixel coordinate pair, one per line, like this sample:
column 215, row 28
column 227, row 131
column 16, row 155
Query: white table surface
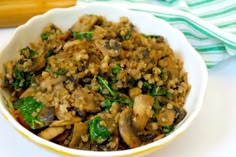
column 212, row 134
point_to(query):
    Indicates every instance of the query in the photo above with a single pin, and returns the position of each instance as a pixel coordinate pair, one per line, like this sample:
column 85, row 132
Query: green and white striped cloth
column 209, row 25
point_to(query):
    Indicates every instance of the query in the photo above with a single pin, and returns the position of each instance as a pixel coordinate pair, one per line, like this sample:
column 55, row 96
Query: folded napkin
column 209, row 25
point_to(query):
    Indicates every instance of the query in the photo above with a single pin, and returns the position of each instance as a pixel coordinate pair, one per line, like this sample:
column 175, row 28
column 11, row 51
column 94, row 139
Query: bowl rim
column 134, row 151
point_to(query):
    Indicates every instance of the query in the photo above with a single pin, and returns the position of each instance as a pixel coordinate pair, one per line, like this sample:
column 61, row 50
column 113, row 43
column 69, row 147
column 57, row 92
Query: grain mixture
column 98, row 86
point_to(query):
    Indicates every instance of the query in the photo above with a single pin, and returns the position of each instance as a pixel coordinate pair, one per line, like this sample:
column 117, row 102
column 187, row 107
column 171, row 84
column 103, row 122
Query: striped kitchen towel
column 209, row 25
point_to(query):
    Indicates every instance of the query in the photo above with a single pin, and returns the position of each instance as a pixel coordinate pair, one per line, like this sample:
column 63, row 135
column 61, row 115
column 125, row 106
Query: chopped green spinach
column 44, row 36
column 157, row 92
column 27, row 52
column 61, row 72
column 83, row 35
column 49, row 53
column 104, row 85
column 127, row 36
column 22, row 79
column 98, row 133
column 167, row 129
column 156, row 107
column 30, row 110
column 132, row 81
column 120, row 100
column 169, row 95
column 116, row 70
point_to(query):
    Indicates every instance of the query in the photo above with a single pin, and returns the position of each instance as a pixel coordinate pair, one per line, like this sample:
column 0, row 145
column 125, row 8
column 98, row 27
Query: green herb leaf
column 102, row 82
column 127, row 36
column 28, row 52
column 49, row 54
column 108, row 103
column 167, row 129
column 22, row 79
column 97, row 132
column 132, row 81
column 153, row 90
column 169, row 95
column 161, row 91
column 61, row 72
column 116, row 70
column 162, row 76
column 120, row 100
column 83, row 35
column 30, row 110
column 146, row 87
column 44, row 36
column 156, row 107
column 125, row 101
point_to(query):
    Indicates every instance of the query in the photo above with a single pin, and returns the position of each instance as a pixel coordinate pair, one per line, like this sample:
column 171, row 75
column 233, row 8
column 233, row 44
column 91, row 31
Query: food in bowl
column 99, row 86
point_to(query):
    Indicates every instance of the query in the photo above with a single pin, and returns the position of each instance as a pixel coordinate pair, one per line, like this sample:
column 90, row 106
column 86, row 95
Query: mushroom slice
column 85, row 23
column 80, row 129
column 47, row 115
column 38, row 63
column 51, row 132
column 142, row 110
column 85, row 101
column 126, row 129
column 166, row 117
column 28, row 92
column 180, row 114
column 108, row 48
column 65, row 122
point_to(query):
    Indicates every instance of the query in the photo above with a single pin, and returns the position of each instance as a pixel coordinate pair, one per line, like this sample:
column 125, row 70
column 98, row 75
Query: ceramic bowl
column 147, row 24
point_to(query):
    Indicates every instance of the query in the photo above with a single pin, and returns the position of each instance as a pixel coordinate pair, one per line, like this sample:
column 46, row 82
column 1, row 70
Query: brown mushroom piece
column 28, row 92
column 126, row 129
column 109, row 47
column 85, row 23
column 166, row 117
column 142, row 110
column 180, row 114
column 108, row 121
column 46, row 116
column 69, row 122
column 79, row 131
column 38, row 63
column 51, row 132
column 85, row 101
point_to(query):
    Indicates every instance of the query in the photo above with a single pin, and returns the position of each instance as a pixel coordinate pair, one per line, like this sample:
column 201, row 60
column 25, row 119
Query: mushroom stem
column 126, row 129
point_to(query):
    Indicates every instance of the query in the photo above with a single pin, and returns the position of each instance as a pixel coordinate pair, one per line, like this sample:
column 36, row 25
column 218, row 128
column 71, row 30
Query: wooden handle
column 17, row 12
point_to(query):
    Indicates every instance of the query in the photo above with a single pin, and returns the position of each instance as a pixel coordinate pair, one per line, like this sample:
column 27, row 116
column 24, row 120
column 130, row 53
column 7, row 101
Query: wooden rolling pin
column 17, row 12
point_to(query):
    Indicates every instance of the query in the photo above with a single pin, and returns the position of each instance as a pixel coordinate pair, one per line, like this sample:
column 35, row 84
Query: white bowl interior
column 147, row 24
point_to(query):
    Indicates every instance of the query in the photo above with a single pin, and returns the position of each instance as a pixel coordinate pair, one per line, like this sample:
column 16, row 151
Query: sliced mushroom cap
column 28, row 92
column 166, row 117
column 85, row 23
column 38, row 63
column 72, row 121
column 109, row 121
column 109, row 48
column 51, row 132
column 142, row 110
column 47, row 115
column 79, row 130
column 180, row 114
column 85, row 101
column 126, row 129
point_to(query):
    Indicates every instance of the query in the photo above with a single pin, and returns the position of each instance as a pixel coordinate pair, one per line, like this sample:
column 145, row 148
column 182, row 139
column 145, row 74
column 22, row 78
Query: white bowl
column 147, row 24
